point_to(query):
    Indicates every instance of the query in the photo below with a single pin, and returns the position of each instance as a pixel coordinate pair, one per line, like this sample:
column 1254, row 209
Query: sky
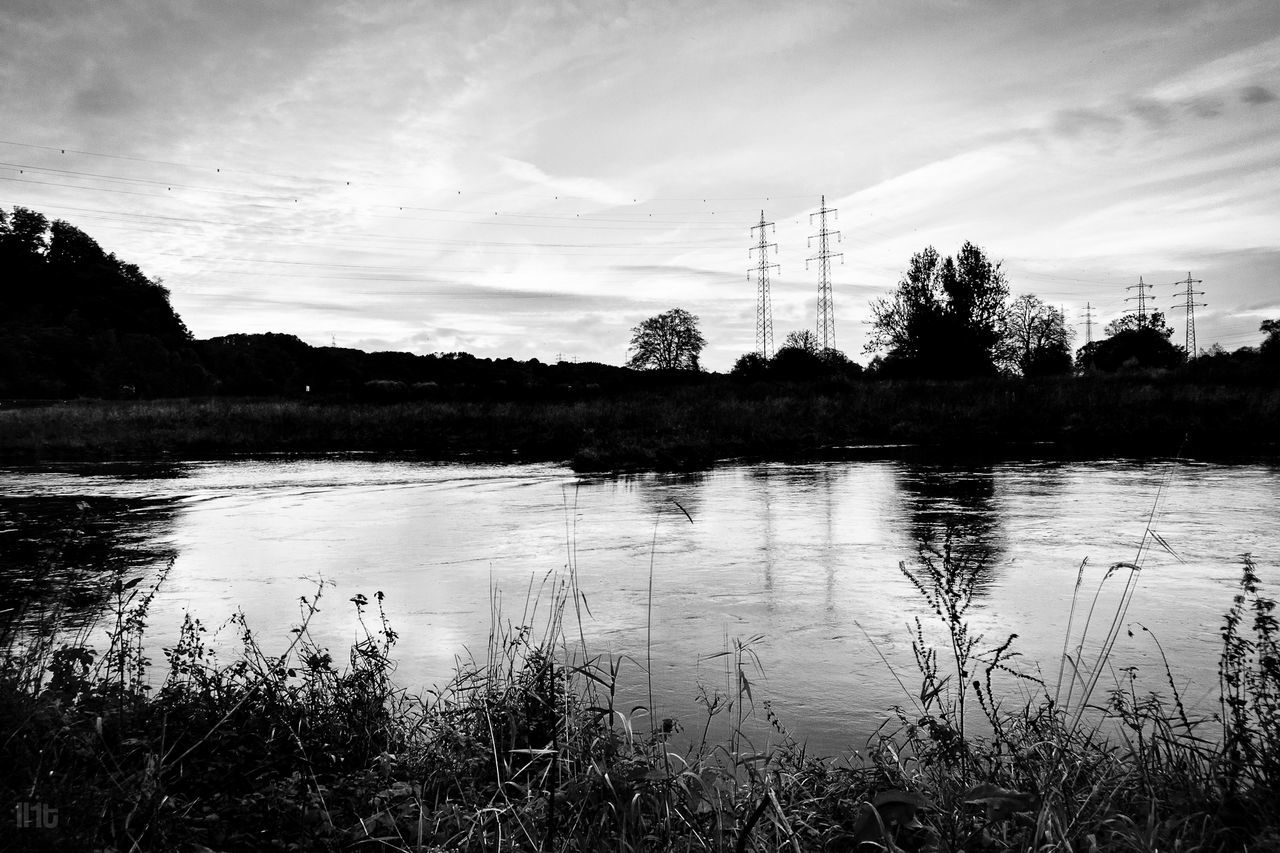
column 535, row 179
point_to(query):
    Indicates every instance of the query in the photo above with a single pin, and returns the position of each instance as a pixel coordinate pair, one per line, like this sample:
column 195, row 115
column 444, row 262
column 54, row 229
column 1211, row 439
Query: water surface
column 800, row 561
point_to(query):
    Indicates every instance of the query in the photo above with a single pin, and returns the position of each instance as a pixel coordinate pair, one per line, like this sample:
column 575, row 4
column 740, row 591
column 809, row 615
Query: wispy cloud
column 589, row 189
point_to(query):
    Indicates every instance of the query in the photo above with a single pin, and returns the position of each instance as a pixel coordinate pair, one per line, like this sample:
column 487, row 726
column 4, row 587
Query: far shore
column 678, row 428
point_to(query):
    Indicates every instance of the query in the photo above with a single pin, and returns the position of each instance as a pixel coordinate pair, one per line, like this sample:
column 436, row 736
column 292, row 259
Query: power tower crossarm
column 1142, row 288
column 764, row 307
column 826, row 307
column 1190, row 305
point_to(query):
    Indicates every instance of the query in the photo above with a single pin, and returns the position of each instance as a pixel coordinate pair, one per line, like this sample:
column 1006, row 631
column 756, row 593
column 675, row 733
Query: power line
column 23, row 168
column 648, row 221
column 64, row 150
column 764, row 307
column 328, row 235
column 826, row 309
column 630, row 225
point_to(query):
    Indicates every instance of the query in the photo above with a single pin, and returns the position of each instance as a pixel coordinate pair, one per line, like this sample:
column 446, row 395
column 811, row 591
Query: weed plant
column 530, row 747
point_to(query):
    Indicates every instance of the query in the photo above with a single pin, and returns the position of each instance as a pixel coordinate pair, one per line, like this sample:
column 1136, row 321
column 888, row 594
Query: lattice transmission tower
column 1088, row 323
column 1189, row 303
column 764, row 308
column 1142, row 288
column 826, row 308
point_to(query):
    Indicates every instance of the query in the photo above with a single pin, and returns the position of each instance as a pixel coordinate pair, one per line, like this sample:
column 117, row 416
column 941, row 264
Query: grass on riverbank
column 687, row 426
column 528, row 749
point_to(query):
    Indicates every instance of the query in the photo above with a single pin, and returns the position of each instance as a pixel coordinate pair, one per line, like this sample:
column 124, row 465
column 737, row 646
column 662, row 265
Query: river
column 798, row 562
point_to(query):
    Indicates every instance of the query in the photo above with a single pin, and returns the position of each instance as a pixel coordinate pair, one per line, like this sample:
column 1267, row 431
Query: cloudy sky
column 534, row 179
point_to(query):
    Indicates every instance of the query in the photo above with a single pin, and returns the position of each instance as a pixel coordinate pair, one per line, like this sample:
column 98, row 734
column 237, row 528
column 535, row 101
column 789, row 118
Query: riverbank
column 679, row 427
column 526, row 748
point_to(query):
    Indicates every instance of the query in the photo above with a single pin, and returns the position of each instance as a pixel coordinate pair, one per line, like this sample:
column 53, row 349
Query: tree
column 1133, row 322
column 1270, row 348
column 943, row 321
column 669, row 341
column 1133, row 342
column 804, row 339
column 750, row 365
column 76, row 320
column 1035, row 340
column 23, row 231
column 797, row 362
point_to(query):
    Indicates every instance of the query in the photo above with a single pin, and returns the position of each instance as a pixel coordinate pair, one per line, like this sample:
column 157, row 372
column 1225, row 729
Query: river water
column 800, row 563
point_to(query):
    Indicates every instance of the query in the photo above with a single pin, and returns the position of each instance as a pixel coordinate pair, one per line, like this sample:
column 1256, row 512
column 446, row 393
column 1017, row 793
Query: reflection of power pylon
column 826, row 309
column 1190, row 304
column 764, row 310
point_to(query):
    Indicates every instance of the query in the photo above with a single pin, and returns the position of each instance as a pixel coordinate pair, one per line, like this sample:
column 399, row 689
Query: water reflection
column 955, row 516
column 56, row 553
column 678, row 493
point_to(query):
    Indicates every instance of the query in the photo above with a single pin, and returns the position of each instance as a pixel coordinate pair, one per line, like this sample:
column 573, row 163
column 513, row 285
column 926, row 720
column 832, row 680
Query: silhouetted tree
column 797, row 362
column 1270, row 348
column 22, row 232
column 75, row 320
column 750, row 365
column 943, row 320
column 1035, row 340
column 1134, row 343
column 804, row 339
column 669, row 341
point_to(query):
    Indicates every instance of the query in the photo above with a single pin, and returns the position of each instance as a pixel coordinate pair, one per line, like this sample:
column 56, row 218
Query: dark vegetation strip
column 684, row 426
column 529, row 749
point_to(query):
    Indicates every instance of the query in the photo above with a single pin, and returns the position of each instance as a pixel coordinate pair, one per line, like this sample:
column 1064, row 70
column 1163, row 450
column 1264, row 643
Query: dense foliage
column 1133, row 342
column 668, row 341
column 1035, row 339
column 75, row 320
column 943, row 321
column 799, row 359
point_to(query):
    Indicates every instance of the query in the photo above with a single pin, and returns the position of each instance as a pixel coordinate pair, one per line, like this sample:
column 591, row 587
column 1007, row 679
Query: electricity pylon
column 1189, row 303
column 826, row 308
column 1142, row 299
column 764, row 308
column 1088, row 323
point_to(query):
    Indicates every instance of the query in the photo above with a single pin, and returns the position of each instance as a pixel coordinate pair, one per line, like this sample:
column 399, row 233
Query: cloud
column 679, row 271
column 1205, row 106
column 1075, row 123
column 1256, row 95
column 106, row 95
column 584, row 188
column 1153, row 111
column 1223, row 73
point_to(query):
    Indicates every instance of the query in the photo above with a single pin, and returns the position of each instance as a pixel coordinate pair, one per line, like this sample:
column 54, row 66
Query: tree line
column 952, row 317
column 76, row 321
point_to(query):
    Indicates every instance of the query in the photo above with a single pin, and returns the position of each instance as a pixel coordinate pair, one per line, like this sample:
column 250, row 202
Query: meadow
column 689, row 425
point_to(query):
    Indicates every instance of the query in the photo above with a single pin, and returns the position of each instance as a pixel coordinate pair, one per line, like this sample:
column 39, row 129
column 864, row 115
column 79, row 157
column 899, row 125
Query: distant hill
column 283, row 365
column 76, row 321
